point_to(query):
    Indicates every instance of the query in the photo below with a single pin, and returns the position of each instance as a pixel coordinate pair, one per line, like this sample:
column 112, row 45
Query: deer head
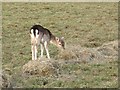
column 60, row 42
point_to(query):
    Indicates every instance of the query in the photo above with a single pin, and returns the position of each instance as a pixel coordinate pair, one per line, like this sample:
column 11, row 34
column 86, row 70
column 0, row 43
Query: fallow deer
column 42, row 36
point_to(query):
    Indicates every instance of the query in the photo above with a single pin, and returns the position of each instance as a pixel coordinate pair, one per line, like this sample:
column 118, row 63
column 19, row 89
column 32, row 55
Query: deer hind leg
column 42, row 49
column 46, row 48
column 33, row 52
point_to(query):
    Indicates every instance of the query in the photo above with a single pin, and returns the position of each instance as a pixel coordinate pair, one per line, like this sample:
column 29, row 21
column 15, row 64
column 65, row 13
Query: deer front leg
column 46, row 48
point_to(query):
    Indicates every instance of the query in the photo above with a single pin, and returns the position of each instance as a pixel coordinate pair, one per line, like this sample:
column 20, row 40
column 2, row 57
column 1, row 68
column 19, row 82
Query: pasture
column 90, row 31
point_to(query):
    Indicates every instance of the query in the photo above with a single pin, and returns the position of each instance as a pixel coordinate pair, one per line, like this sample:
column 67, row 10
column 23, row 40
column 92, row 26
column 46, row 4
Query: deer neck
column 53, row 40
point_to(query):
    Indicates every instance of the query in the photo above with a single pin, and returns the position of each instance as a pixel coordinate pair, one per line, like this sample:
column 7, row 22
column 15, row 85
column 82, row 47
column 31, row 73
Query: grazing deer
column 40, row 35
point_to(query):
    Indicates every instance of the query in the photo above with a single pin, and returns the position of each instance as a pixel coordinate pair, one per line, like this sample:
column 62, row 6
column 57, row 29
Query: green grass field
column 83, row 25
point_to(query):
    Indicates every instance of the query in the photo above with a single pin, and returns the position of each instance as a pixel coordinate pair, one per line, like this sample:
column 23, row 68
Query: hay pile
column 100, row 53
column 88, row 54
column 109, row 49
column 42, row 67
column 66, row 55
column 81, row 53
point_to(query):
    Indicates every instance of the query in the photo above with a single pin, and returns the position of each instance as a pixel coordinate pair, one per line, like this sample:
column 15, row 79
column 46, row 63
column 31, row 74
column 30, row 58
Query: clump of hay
column 40, row 67
column 109, row 49
column 66, row 55
column 88, row 54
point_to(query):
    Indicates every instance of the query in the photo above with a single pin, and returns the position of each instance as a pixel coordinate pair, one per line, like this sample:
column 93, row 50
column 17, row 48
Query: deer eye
column 57, row 38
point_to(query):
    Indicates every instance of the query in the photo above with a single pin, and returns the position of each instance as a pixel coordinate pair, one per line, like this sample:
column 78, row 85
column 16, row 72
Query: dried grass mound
column 66, row 55
column 40, row 67
column 109, row 49
column 88, row 54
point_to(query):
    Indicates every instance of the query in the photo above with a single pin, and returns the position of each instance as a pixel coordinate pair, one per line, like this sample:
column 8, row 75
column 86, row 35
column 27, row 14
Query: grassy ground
column 87, row 25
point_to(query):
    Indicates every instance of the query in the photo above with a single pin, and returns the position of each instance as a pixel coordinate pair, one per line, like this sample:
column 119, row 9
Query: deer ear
column 62, row 38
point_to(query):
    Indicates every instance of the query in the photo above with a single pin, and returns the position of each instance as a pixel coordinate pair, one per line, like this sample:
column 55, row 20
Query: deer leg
column 33, row 52
column 46, row 48
column 42, row 49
